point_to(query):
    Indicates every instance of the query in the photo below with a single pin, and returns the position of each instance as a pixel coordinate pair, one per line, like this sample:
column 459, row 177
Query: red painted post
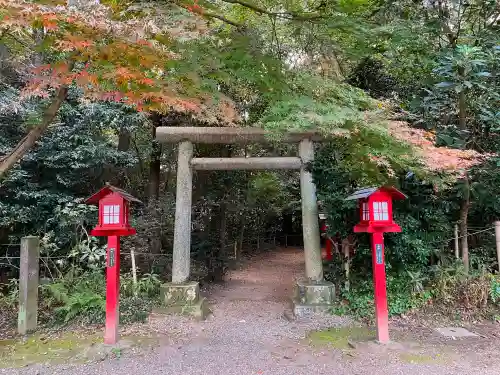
column 112, row 290
column 380, row 289
column 329, row 255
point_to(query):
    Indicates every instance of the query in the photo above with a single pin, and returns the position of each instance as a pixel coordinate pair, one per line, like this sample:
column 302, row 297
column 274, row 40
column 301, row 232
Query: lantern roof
column 366, row 192
column 109, row 189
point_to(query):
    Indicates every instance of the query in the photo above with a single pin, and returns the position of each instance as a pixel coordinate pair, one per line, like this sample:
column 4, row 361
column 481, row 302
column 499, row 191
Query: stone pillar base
column 183, row 299
column 312, row 297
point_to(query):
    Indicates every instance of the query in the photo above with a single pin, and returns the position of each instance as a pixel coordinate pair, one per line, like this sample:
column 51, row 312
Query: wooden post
column 380, row 288
column 457, row 253
column 28, row 285
column 310, row 225
column 346, row 257
column 347, row 272
column 497, row 239
column 111, row 335
column 182, row 229
column 134, row 269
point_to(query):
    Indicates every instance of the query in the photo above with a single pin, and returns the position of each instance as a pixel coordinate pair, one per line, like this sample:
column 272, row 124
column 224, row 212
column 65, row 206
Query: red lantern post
column 375, row 209
column 113, row 222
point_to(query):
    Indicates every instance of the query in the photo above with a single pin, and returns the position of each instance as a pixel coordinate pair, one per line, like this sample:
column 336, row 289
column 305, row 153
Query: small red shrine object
column 375, row 210
column 114, row 209
column 324, row 233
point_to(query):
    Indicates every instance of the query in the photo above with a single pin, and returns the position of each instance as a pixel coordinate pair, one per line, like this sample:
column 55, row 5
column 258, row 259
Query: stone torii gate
column 312, row 293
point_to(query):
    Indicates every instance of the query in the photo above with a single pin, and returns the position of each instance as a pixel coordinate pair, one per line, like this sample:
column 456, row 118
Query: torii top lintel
column 221, row 135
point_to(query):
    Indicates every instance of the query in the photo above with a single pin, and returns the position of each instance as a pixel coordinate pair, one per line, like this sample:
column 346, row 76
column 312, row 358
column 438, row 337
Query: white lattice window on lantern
column 380, row 211
column 366, row 212
column 111, row 214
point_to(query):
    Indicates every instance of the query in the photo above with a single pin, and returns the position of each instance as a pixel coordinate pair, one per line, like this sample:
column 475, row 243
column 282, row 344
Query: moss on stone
column 39, row 349
column 416, row 358
column 340, row 338
column 58, row 349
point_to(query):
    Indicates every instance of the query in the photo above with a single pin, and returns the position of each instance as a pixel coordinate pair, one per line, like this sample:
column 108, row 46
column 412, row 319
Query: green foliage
column 358, row 301
column 315, row 102
column 80, row 296
column 495, row 290
column 452, row 287
column 89, row 305
column 465, row 70
column 147, row 286
column 371, row 75
column 44, row 193
column 11, row 295
column 426, row 219
column 76, row 295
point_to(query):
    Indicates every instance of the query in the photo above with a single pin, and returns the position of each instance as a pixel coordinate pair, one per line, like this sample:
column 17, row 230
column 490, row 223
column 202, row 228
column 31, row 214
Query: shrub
column 452, row 287
column 80, row 296
column 401, row 297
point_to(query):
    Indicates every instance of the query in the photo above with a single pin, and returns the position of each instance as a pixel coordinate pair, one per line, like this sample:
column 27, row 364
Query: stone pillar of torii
column 312, row 293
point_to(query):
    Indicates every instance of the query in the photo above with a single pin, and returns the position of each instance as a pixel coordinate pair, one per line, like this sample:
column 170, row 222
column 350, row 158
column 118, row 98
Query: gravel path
column 248, row 334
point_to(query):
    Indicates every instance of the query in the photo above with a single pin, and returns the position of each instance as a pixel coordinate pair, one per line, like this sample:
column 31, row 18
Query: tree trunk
column 14, row 156
column 242, row 236
column 212, row 257
column 243, row 222
column 154, row 166
column 223, row 228
column 123, row 140
column 464, row 212
column 167, row 175
column 153, row 187
column 462, row 106
column 462, row 111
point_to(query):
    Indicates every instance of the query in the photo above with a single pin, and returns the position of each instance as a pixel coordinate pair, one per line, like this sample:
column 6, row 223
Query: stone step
column 198, row 309
column 315, row 293
column 180, row 293
column 302, row 310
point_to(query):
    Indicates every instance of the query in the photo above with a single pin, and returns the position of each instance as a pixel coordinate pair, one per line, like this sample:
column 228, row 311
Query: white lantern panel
column 111, row 214
column 366, row 212
column 380, row 211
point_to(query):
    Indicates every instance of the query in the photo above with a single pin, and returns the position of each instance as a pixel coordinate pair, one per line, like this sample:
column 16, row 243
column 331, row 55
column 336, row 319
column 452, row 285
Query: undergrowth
column 79, row 296
column 448, row 289
column 358, row 300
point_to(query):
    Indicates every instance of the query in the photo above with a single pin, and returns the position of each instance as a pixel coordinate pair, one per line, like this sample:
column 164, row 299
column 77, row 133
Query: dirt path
column 248, row 334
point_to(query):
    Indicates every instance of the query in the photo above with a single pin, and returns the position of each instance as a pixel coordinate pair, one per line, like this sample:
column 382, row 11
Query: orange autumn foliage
column 436, row 158
column 108, row 59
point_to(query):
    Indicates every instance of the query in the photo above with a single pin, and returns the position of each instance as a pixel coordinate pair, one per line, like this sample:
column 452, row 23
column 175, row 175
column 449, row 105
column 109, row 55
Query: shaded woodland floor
column 248, row 334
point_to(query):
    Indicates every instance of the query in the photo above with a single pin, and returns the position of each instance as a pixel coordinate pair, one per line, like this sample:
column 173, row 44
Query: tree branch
column 223, row 19
column 25, row 144
column 219, row 17
column 16, row 39
column 287, row 15
column 205, row 13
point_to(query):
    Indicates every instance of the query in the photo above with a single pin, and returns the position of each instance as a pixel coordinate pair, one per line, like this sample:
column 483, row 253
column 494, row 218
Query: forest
column 408, row 91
